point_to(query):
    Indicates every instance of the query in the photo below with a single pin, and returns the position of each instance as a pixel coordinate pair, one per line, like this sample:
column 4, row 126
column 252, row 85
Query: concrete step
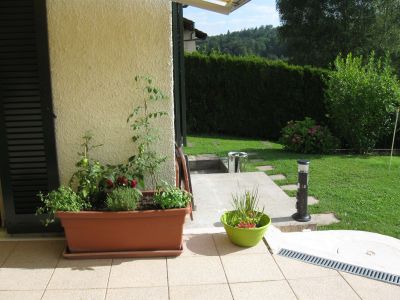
column 206, row 164
column 289, row 225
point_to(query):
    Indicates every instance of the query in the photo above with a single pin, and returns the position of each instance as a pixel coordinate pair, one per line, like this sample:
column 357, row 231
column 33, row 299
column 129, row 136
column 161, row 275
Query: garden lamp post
column 302, row 192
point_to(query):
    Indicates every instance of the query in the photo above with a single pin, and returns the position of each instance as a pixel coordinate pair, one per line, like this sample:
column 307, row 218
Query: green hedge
column 250, row 96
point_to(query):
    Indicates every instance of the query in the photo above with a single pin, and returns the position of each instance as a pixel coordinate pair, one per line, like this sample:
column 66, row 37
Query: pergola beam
column 219, row 6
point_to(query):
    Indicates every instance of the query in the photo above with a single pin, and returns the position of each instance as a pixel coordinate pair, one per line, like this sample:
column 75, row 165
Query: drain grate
column 332, row 264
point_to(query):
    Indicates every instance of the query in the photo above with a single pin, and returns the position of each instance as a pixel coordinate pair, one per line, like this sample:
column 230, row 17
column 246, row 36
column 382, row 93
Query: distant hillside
column 261, row 41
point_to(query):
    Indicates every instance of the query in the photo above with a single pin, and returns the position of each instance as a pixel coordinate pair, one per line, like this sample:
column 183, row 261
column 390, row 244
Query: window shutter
column 27, row 143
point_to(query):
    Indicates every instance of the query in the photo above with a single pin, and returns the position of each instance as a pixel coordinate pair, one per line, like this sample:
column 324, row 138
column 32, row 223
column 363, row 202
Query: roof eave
column 227, row 8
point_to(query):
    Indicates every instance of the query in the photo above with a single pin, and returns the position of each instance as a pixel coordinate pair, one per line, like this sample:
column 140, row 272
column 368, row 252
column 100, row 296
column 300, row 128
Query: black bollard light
column 302, row 192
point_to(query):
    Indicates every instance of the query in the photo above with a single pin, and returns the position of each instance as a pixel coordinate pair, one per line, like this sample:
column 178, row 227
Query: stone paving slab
column 325, row 219
column 277, row 177
column 252, row 154
column 256, row 160
column 289, row 187
column 265, row 168
column 311, row 200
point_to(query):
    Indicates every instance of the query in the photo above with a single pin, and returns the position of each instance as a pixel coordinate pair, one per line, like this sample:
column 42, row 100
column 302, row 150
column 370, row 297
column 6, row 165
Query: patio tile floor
column 138, row 273
column 263, row 290
column 251, row 267
column 331, row 287
column 210, row 268
column 200, row 292
column 195, row 270
column 87, row 294
column 160, row 293
column 80, row 274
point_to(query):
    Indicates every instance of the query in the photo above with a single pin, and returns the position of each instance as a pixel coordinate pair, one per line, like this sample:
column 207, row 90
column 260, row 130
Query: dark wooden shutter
column 27, row 143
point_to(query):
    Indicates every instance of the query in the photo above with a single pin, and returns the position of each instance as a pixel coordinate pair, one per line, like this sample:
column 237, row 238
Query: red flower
column 133, row 183
column 109, row 183
column 122, row 180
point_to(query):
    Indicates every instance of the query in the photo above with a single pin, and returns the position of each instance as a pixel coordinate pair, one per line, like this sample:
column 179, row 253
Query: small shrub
column 169, row 196
column 62, row 199
column 123, row 198
column 307, row 137
column 361, row 100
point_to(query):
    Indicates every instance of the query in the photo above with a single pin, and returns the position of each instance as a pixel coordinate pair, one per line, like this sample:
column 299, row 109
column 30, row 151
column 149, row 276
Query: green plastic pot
column 246, row 237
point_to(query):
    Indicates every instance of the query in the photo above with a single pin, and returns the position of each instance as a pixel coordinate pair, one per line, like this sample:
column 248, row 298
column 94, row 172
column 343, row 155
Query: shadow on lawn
column 279, row 154
column 274, row 154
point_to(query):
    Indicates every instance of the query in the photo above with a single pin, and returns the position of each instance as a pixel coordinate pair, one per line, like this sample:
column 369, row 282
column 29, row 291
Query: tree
column 316, row 31
column 261, row 41
column 387, row 29
column 362, row 99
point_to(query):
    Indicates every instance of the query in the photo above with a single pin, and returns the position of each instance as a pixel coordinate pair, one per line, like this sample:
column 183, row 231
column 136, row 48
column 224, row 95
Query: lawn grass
column 360, row 190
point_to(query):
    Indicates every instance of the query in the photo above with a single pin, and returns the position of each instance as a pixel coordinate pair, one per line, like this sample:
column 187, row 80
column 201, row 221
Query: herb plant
column 146, row 161
column 62, row 199
column 169, row 196
column 245, row 213
column 89, row 172
column 123, row 199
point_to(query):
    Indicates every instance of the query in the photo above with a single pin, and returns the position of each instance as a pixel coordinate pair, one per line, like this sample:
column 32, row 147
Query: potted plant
column 106, row 210
column 245, row 225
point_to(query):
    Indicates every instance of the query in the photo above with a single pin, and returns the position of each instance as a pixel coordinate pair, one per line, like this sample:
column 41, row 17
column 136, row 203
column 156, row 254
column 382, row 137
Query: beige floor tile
column 149, row 293
column 138, row 273
column 225, row 246
column 5, row 249
column 201, row 292
column 372, row 289
column 40, row 253
column 21, row 295
column 251, row 267
column 293, row 269
column 263, row 290
column 332, row 287
column 87, row 294
column 25, row 278
column 30, row 265
column 199, row 245
column 81, row 274
column 195, row 270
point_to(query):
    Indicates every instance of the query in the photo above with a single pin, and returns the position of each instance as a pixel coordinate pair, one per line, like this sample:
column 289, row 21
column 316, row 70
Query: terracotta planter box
column 140, row 233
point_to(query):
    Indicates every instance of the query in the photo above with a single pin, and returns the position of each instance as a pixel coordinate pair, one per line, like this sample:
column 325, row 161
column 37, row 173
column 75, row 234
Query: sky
column 253, row 14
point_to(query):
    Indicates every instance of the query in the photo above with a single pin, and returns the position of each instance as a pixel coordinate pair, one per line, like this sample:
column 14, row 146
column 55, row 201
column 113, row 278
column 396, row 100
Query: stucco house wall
column 96, row 49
